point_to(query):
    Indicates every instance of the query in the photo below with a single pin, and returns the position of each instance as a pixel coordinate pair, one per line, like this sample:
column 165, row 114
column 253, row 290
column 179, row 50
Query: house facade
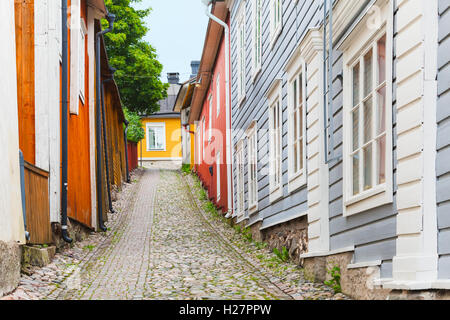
column 162, row 141
column 210, row 115
column 347, row 124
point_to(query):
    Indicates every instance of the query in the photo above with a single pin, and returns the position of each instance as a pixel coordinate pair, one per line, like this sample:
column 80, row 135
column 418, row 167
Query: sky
column 177, row 32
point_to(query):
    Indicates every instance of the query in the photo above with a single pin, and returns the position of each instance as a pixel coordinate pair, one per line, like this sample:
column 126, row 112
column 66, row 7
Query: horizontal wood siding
column 37, row 205
column 373, row 232
column 297, row 18
column 443, row 140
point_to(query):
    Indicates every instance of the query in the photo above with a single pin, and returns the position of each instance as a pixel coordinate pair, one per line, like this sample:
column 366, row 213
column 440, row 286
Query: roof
column 184, row 96
column 99, row 4
column 211, row 46
column 166, row 105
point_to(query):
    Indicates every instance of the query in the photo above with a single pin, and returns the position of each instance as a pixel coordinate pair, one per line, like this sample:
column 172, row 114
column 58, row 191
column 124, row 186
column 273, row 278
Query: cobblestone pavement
column 164, row 242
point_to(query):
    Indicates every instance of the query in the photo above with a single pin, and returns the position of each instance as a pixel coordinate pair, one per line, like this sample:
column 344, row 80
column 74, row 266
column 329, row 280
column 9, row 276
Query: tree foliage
column 135, row 131
column 138, row 69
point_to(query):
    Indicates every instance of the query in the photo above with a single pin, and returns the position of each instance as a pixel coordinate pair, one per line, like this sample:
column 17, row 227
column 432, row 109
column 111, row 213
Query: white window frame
column 156, row 125
column 296, row 69
column 257, row 37
column 241, row 66
column 240, row 191
column 252, row 159
column 274, row 97
column 218, row 97
column 210, row 100
column 199, row 145
column 218, row 162
column 82, row 61
column 276, row 20
column 355, row 46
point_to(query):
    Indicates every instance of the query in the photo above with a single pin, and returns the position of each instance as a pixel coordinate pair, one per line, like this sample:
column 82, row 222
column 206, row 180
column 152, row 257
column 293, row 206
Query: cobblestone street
column 163, row 244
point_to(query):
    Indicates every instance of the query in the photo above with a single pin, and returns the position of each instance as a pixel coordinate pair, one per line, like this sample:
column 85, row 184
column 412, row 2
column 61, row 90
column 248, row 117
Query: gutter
column 227, row 104
column 110, row 17
column 64, row 122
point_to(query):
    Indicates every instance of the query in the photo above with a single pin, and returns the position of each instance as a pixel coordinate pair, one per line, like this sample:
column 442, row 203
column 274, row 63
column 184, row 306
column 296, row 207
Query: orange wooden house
column 59, row 107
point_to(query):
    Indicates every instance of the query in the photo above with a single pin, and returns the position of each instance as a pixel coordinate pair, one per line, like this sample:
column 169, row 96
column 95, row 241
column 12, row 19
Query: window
column 257, row 36
column 297, row 126
column 276, row 19
column 203, row 138
column 218, row 95
column 218, row 162
column 210, row 118
column 368, row 119
column 156, row 136
column 81, row 60
column 240, row 178
column 275, row 136
column 241, row 53
column 252, row 159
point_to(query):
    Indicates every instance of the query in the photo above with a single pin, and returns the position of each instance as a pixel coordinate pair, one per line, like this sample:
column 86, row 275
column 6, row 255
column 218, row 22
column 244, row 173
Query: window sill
column 297, row 181
column 256, row 73
column 241, row 100
column 367, row 200
column 275, row 35
column 253, row 209
column 276, row 194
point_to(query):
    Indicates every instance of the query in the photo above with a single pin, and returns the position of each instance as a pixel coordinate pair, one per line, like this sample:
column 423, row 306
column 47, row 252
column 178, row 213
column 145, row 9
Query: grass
column 186, row 168
column 89, row 247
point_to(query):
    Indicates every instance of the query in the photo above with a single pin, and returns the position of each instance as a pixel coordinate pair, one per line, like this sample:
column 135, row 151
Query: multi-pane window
column 240, row 179
column 275, row 140
column 218, row 95
column 156, row 137
column 297, row 125
column 241, row 53
column 276, row 15
column 257, row 35
column 218, row 162
column 368, row 117
column 252, row 159
column 203, row 138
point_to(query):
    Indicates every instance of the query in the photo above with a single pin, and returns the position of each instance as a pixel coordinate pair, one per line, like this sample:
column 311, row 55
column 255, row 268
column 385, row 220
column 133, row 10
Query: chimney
column 194, row 65
column 173, row 77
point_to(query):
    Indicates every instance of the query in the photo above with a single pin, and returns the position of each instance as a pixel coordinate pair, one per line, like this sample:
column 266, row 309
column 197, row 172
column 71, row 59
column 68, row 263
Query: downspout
column 22, row 191
column 227, row 104
column 64, row 123
column 105, row 142
column 125, row 135
column 110, row 17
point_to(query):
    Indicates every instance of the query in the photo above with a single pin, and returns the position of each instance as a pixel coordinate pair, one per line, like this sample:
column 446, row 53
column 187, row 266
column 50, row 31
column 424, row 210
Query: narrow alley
column 161, row 245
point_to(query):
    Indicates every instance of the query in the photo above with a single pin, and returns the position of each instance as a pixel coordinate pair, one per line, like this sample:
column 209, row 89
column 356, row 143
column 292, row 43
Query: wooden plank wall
column 37, row 205
column 443, row 140
column 24, row 17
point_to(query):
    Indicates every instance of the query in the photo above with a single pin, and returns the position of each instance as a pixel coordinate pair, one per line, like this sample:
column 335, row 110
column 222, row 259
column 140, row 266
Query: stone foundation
column 37, row 256
column 77, row 231
column 256, row 233
column 9, row 267
column 293, row 235
column 356, row 283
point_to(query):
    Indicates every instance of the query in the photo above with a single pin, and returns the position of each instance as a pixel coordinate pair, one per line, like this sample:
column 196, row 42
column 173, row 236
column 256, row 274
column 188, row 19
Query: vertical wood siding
column 24, row 20
column 297, row 18
column 443, row 140
column 373, row 232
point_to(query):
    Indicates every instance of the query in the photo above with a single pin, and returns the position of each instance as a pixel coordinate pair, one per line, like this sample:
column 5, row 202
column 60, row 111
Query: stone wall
column 293, row 235
column 10, row 256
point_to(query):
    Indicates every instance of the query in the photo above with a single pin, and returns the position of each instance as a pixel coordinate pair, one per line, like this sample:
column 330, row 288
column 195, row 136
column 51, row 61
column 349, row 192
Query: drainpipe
column 110, row 17
column 108, row 186
column 64, row 123
column 22, row 191
column 125, row 135
column 227, row 104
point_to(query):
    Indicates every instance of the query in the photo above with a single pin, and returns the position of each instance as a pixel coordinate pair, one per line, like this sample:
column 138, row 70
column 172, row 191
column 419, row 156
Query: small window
column 81, row 61
column 241, row 54
column 257, row 36
column 276, row 19
column 240, row 179
column 210, row 118
column 275, row 136
column 252, row 160
column 203, row 138
column 156, row 137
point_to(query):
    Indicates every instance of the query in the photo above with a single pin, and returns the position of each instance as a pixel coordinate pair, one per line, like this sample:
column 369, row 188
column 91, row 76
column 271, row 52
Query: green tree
column 135, row 131
column 138, row 70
